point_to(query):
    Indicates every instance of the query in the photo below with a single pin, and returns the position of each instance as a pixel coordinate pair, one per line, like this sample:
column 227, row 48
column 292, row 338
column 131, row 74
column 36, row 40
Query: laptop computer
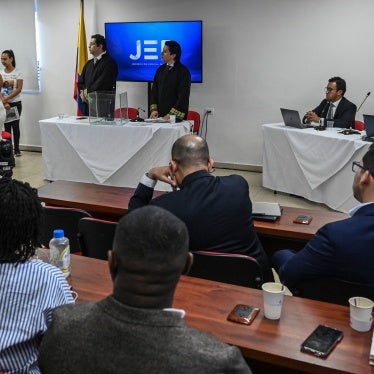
column 264, row 211
column 369, row 125
column 291, row 118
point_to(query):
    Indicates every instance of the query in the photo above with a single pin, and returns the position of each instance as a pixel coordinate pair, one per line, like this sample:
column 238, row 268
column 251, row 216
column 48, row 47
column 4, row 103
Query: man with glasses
column 216, row 210
column 335, row 109
column 342, row 249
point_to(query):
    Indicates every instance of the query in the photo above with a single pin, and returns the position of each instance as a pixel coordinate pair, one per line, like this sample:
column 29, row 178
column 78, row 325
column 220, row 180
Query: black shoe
column 17, row 153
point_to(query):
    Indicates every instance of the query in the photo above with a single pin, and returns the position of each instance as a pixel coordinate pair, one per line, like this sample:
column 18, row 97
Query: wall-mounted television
column 137, row 46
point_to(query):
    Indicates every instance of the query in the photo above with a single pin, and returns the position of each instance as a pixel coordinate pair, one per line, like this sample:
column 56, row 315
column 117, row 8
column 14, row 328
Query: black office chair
column 62, row 218
column 96, row 237
column 225, row 267
column 333, row 290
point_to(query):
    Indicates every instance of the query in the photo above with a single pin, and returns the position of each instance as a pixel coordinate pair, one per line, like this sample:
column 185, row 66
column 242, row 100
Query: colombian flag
column 82, row 57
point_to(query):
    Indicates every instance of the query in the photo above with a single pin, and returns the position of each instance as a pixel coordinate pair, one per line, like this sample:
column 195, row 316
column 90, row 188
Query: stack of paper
column 371, row 357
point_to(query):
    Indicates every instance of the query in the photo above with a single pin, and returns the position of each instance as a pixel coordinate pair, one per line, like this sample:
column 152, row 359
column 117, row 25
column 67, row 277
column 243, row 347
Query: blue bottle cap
column 58, row 233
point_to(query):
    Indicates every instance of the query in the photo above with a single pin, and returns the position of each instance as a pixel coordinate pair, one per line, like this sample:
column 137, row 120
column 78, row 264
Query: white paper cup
column 172, row 118
column 361, row 310
column 273, row 294
column 361, row 325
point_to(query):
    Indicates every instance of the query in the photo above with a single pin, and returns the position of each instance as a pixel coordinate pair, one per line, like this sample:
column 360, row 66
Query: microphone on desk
column 324, row 110
column 351, row 131
column 367, row 95
column 137, row 118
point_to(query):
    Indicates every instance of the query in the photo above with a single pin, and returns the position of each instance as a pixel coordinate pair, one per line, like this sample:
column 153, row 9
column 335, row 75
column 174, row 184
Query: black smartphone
column 243, row 314
column 322, row 341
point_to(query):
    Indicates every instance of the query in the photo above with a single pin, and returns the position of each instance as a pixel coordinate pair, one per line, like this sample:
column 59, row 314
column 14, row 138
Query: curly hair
column 20, row 220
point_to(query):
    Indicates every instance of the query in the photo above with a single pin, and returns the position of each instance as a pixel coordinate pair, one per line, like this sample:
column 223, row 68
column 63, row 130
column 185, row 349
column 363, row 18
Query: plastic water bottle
column 60, row 251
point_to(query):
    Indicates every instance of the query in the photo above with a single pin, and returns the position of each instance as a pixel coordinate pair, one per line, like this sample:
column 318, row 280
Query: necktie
column 95, row 60
column 329, row 112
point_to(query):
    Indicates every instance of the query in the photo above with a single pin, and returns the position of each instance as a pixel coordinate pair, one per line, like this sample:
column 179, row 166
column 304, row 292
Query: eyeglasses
column 329, row 89
column 356, row 166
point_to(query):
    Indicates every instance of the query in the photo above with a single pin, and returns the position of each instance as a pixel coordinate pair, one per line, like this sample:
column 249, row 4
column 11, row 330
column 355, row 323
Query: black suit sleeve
column 142, row 197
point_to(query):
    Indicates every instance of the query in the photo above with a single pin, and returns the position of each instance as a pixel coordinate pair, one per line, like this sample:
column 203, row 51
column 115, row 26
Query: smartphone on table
column 322, row 341
column 243, row 314
column 304, row 219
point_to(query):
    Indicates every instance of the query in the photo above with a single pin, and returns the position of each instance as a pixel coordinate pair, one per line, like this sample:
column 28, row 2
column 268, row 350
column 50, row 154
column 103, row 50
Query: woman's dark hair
column 10, row 53
column 20, row 220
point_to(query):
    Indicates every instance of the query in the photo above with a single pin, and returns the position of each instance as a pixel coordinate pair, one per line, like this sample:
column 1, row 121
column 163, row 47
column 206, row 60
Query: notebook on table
column 291, row 118
column 156, row 120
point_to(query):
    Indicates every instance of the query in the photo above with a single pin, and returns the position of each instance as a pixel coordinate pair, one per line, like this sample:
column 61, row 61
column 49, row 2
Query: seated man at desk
column 335, row 109
column 136, row 329
column 342, row 249
column 216, row 210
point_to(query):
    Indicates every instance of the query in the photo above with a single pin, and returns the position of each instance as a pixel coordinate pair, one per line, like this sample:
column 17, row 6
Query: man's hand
column 163, row 174
column 154, row 114
column 83, row 95
column 311, row 117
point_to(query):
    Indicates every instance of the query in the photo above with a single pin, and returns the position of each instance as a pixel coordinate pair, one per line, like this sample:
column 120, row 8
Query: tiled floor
column 29, row 169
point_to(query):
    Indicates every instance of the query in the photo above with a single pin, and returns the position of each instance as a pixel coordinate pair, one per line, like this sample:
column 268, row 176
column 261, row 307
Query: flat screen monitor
column 137, row 46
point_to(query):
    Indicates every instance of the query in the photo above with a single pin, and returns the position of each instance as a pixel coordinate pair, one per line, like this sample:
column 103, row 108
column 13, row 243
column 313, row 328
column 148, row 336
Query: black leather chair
column 62, row 218
column 96, row 237
column 333, row 290
column 230, row 268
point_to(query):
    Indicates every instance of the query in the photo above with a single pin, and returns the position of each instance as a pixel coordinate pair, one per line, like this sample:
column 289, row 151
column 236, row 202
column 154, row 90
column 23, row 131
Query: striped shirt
column 28, row 294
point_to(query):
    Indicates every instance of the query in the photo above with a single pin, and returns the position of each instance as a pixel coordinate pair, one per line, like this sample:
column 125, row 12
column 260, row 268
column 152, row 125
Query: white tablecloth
column 113, row 155
column 312, row 164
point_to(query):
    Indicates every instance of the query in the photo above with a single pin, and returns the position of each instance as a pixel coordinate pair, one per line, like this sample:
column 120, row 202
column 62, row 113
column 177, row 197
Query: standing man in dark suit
column 342, row 249
column 335, row 109
column 99, row 73
column 171, row 85
column 216, row 210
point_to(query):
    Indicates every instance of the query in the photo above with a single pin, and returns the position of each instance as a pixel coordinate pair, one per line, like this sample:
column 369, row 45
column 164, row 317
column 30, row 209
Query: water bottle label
column 64, row 260
column 61, row 259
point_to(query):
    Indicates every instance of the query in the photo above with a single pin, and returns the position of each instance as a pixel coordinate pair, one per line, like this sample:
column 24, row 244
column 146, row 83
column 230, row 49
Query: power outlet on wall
column 209, row 111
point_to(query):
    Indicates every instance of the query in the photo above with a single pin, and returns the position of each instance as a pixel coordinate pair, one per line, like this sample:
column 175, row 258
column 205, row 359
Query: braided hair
column 20, row 220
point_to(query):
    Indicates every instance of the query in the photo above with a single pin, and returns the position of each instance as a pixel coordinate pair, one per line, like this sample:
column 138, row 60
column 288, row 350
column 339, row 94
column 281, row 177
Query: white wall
column 259, row 55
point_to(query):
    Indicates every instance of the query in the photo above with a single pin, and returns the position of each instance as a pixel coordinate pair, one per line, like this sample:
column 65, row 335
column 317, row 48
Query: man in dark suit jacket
column 171, row 86
column 336, row 110
column 136, row 330
column 216, row 210
column 342, row 249
column 99, row 74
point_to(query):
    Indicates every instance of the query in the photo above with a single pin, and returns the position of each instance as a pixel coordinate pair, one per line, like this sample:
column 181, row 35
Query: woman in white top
column 11, row 94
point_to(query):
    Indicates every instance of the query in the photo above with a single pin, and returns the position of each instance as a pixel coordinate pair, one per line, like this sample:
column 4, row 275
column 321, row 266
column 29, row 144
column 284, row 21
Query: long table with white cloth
column 114, row 155
column 313, row 164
